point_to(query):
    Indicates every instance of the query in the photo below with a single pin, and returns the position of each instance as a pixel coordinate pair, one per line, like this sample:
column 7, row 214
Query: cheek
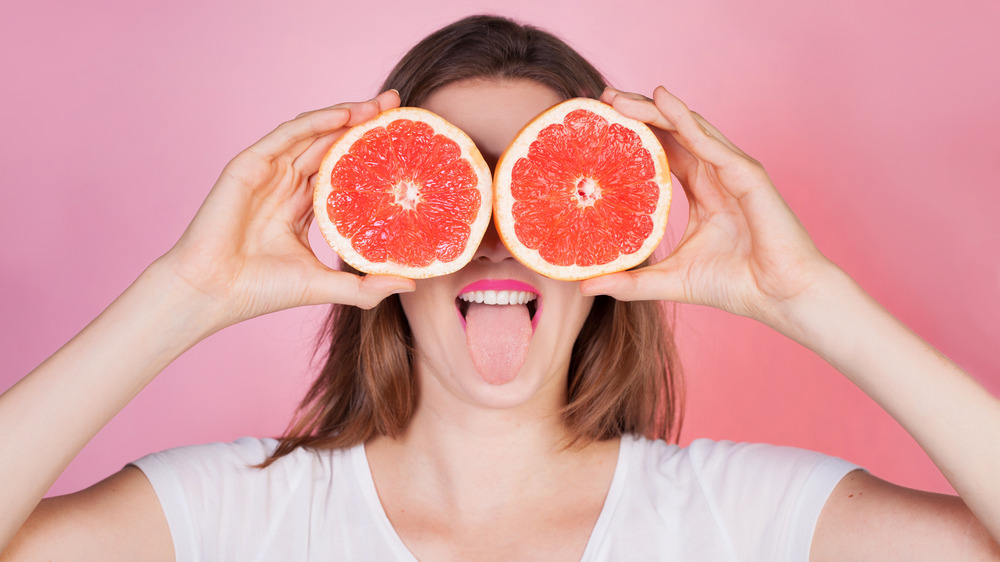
column 431, row 314
column 417, row 312
column 566, row 316
column 581, row 310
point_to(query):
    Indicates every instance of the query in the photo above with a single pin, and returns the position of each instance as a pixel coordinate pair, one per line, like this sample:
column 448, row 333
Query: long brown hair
column 624, row 376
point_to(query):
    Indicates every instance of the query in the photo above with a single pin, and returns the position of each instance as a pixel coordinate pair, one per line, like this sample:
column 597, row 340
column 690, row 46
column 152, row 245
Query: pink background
column 878, row 121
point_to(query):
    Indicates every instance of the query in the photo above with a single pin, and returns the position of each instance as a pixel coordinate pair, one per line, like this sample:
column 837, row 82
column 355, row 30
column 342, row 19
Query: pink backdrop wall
column 878, row 121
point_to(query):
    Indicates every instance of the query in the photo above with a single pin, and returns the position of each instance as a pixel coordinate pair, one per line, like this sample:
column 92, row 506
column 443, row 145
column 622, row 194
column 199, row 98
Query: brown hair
column 623, row 376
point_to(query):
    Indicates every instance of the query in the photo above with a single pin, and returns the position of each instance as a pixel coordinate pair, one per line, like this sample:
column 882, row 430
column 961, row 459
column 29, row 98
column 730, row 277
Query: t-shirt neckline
column 367, row 485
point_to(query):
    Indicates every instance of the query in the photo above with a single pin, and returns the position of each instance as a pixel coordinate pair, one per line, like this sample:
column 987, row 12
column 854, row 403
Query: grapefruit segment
column 406, row 193
column 582, row 191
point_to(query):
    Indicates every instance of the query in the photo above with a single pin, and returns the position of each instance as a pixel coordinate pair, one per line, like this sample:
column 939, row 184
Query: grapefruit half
column 406, row 193
column 582, row 191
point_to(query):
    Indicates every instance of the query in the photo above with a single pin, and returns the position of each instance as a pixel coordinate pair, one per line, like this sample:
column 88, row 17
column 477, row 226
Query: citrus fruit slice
column 406, row 193
column 582, row 191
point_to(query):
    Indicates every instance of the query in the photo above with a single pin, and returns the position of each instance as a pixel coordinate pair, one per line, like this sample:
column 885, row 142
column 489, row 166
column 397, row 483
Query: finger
column 648, row 283
column 311, row 125
column 309, row 161
column 714, row 132
column 293, row 191
column 372, row 289
column 703, row 141
column 383, row 101
column 364, row 291
column 388, row 99
column 306, row 127
column 683, row 164
column 363, row 111
column 641, row 108
column 738, row 173
column 609, row 95
column 306, row 164
column 667, row 113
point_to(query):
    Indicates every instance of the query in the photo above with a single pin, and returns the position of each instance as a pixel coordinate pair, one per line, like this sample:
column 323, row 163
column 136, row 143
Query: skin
column 481, row 472
column 745, row 252
column 246, row 254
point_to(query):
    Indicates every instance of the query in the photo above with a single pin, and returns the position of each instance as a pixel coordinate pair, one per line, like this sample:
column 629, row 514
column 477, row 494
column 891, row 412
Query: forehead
column 492, row 112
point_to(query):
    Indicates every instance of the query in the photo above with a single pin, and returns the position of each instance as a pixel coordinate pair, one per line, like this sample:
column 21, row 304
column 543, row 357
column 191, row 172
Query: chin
column 534, row 385
column 526, row 365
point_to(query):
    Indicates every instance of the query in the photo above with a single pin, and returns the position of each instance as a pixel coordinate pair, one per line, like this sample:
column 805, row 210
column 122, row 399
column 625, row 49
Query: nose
column 492, row 248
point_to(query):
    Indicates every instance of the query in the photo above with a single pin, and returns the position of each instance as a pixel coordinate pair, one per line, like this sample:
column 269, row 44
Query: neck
column 469, row 455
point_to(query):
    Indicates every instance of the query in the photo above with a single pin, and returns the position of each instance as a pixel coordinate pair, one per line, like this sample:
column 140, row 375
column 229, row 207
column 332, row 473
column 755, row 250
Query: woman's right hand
column 247, row 253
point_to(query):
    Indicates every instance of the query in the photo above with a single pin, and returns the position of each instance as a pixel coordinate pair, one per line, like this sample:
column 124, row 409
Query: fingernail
column 404, row 289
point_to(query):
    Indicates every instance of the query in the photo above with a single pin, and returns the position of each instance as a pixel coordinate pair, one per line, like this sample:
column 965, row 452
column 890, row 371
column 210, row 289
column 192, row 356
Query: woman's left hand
column 743, row 251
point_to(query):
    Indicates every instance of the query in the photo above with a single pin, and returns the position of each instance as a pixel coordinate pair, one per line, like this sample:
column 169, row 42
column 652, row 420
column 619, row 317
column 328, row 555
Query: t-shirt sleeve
column 767, row 498
column 206, row 492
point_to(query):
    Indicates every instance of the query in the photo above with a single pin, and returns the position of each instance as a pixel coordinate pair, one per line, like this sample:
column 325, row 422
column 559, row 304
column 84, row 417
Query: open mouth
column 499, row 317
column 498, row 298
column 499, row 293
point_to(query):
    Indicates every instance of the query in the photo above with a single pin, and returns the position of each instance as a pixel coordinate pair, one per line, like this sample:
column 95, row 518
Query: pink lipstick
column 499, row 292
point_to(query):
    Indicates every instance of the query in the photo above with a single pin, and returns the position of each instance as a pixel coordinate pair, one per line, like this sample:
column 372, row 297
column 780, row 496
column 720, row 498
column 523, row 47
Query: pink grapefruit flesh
column 406, row 193
column 582, row 191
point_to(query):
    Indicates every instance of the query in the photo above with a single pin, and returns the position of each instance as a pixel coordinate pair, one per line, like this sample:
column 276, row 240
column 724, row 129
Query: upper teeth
column 498, row 297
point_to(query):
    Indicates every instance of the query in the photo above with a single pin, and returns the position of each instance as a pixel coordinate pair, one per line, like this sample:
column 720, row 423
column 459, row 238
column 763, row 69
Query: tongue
column 498, row 338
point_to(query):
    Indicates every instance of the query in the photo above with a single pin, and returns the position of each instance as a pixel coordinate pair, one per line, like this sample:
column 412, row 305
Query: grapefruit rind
column 342, row 244
column 503, row 198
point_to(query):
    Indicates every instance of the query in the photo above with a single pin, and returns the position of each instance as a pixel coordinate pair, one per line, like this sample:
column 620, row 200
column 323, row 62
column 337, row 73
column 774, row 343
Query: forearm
column 953, row 418
column 48, row 416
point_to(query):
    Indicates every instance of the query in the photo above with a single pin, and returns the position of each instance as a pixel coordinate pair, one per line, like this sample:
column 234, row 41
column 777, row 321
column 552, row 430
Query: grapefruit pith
column 582, row 191
column 406, row 193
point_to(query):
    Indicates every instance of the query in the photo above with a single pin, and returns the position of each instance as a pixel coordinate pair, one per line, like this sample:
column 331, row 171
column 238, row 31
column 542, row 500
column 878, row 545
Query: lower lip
column 503, row 285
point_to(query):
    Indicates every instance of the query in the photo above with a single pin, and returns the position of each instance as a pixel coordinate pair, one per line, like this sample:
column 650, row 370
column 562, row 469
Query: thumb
column 655, row 282
column 364, row 291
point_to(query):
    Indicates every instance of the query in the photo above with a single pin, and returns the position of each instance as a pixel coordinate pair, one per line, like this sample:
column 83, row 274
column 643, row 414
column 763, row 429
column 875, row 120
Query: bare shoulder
column 867, row 518
column 119, row 518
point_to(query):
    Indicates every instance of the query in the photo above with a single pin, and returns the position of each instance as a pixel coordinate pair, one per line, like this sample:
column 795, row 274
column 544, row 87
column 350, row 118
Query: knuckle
column 683, row 109
column 751, row 169
column 363, row 298
column 699, row 142
column 754, row 166
column 286, row 131
column 369, row 302
column 246, row 166
column 675, row 111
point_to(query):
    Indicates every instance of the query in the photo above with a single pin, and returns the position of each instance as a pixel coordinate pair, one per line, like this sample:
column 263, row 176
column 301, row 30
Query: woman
column 404, row 450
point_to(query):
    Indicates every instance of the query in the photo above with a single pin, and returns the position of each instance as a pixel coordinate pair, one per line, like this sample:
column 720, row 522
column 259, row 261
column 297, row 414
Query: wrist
column 823, row 312
column 184, row 312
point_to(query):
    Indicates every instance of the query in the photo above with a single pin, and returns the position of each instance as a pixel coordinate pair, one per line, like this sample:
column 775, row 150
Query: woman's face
column 494, row 355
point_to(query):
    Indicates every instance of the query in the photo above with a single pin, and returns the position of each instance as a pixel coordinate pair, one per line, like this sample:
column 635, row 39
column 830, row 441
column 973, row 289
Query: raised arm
column 246, row 253
column 745, row 252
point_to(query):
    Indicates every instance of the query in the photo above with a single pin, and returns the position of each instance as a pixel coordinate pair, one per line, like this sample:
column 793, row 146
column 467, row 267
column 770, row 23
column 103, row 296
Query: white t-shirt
column 708, row 501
